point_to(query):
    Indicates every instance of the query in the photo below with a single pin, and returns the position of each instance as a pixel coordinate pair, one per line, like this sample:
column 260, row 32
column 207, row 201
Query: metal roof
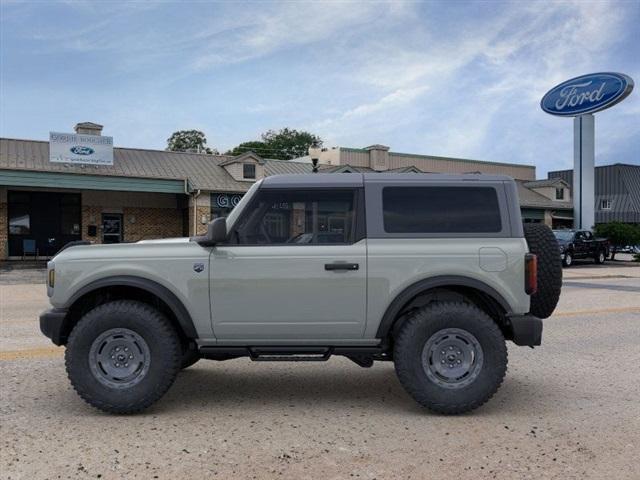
column 201, row 170
column 532, row 199
column 619, row 184
column 547, row 182
column 205, row 172
column 286, row 167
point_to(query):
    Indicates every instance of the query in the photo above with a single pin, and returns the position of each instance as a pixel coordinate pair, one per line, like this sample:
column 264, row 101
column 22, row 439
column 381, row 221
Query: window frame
column 608, row 203
column 358, row 227
column 244, row 173
column 559, row 193
column 509, row 219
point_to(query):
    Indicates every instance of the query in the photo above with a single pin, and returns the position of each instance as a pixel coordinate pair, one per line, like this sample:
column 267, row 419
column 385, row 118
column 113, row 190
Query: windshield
column 563, row 234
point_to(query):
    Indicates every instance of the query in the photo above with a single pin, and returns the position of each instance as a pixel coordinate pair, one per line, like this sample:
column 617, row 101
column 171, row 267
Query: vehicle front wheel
column 451, row 357
column 600, row 257
column 567, row 261
column 123, row 356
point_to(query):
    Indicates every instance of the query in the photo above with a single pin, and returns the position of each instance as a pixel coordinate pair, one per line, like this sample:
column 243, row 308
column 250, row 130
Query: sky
column 451, row 78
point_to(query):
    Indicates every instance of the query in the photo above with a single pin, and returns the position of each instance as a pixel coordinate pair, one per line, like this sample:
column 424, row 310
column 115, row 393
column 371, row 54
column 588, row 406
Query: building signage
column 224, row 200
column 587, row 94
column 76, row 148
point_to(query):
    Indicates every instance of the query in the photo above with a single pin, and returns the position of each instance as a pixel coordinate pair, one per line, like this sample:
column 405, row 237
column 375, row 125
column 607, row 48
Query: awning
column 30, row 178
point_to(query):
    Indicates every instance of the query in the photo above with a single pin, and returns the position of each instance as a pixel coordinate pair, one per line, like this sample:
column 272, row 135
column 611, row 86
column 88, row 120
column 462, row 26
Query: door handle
column 341, row 266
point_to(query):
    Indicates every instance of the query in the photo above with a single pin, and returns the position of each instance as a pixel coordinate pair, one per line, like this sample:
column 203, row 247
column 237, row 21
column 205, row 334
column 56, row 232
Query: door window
column 299, row 217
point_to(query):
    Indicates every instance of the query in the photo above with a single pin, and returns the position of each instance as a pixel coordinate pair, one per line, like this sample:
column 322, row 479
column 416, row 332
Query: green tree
column 256, row 147
column 289, row 144
column 188, row 141
column 619, row 235
column 283, row 144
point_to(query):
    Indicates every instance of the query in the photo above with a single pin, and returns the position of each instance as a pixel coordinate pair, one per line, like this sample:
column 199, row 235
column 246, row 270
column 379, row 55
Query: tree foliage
column 619, row 234
column 283, row 144
column 255, row 146
column 188, row 141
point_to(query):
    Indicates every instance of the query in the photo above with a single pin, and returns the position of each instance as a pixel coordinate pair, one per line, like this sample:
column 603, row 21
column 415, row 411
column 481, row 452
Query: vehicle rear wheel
column 122, row 356
column 600, row 257
column 542, row 242
column 451, row 357
column 567, row 261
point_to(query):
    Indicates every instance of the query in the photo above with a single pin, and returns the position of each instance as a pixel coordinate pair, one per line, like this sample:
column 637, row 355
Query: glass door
column 111, row 227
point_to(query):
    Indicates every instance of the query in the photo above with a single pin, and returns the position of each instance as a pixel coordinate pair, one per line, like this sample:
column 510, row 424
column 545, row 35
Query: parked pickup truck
column 431, row 272
column 580, row 244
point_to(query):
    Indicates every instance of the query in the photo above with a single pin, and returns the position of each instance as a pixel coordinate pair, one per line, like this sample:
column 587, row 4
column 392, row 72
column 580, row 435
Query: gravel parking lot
column 568, row 409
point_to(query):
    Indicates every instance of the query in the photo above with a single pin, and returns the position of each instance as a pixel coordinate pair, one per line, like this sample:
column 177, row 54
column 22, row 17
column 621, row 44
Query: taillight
column 530, row 273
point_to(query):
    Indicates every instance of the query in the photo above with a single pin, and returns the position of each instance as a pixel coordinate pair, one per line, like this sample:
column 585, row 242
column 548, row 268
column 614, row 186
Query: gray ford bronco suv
column 433, row 272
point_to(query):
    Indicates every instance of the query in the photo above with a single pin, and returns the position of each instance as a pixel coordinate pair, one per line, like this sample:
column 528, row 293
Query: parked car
column 581, row 244
column 629, row 249
column 432, row 272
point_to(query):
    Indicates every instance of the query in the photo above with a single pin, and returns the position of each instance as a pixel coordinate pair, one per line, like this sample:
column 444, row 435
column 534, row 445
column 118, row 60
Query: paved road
column 568, row 409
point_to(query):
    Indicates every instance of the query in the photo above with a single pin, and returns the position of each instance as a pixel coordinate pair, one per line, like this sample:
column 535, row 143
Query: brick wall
column 91, row 215
column 149, row 223
column 141, row 223
column 201, row 228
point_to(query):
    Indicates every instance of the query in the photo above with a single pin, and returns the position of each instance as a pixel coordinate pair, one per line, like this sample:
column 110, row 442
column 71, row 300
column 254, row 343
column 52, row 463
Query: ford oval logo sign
column 79, row 150
column 587, row 94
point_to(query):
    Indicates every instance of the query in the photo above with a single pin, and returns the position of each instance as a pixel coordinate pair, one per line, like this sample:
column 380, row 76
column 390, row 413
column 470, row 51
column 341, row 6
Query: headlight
column 52, row 278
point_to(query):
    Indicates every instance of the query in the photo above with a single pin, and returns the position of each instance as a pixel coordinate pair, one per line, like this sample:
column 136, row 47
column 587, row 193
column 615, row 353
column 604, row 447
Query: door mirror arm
column 216, row 233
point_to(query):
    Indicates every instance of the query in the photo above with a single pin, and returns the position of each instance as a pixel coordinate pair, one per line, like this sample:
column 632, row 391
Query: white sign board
column 74, row 148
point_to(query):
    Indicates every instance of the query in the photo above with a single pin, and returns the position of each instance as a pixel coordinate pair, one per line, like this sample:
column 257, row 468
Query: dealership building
column 102, row 194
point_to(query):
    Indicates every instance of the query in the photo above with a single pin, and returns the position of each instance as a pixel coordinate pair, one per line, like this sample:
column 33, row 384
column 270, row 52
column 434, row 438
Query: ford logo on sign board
column 587, row 94
column 79, row 150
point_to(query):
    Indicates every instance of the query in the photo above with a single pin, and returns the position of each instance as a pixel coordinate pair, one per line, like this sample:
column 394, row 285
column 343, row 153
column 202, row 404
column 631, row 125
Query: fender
column 150, row 286
column 427, row 284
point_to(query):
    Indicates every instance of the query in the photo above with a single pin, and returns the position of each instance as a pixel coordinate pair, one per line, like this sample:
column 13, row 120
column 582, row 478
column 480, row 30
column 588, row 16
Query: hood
column 141, row 249
column 166, row 240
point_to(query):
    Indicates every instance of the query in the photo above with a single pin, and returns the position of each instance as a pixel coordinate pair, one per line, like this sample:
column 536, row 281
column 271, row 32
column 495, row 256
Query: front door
column 111, row 227
column 294, row 268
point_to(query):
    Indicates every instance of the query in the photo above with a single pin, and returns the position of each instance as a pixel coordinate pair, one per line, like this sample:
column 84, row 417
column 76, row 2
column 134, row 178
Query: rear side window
column 441, row 210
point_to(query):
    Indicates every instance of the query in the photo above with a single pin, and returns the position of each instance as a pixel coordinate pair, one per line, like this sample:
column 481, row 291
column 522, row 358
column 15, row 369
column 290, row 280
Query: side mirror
column 217, row 230
column 216, row 233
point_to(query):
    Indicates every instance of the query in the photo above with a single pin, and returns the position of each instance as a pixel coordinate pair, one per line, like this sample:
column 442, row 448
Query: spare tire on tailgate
column 544, row 245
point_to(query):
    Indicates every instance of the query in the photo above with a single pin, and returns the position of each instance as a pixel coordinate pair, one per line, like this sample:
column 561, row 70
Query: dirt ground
column 568, row 409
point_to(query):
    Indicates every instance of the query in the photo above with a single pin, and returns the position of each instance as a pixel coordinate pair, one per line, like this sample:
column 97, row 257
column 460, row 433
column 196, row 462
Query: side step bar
column 363, row 356
column 289, row 354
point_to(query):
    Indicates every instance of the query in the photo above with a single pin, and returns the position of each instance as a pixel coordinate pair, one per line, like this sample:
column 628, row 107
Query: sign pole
column 579, row 98
column 583, row 172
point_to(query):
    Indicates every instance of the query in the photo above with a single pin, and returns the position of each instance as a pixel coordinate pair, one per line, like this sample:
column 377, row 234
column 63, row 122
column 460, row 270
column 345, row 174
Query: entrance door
column 111, row 227
column 294, row 268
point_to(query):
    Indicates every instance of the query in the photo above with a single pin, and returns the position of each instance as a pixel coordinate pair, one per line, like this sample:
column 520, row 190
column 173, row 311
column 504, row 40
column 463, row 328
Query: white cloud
column 484, row 80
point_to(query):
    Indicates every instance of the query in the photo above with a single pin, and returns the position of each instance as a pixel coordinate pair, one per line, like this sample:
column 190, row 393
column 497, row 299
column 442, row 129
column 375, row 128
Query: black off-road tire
column 145, row 325
column 414, row 338
column 190, row 356
column 567, row 261
column 544, row 245
column 600, row 257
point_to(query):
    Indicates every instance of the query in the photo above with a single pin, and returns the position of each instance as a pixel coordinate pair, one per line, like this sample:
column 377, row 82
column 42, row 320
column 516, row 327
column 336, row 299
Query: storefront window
column 19, row 218
column 19, row 223
column 223, row 203
column 70, row 215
